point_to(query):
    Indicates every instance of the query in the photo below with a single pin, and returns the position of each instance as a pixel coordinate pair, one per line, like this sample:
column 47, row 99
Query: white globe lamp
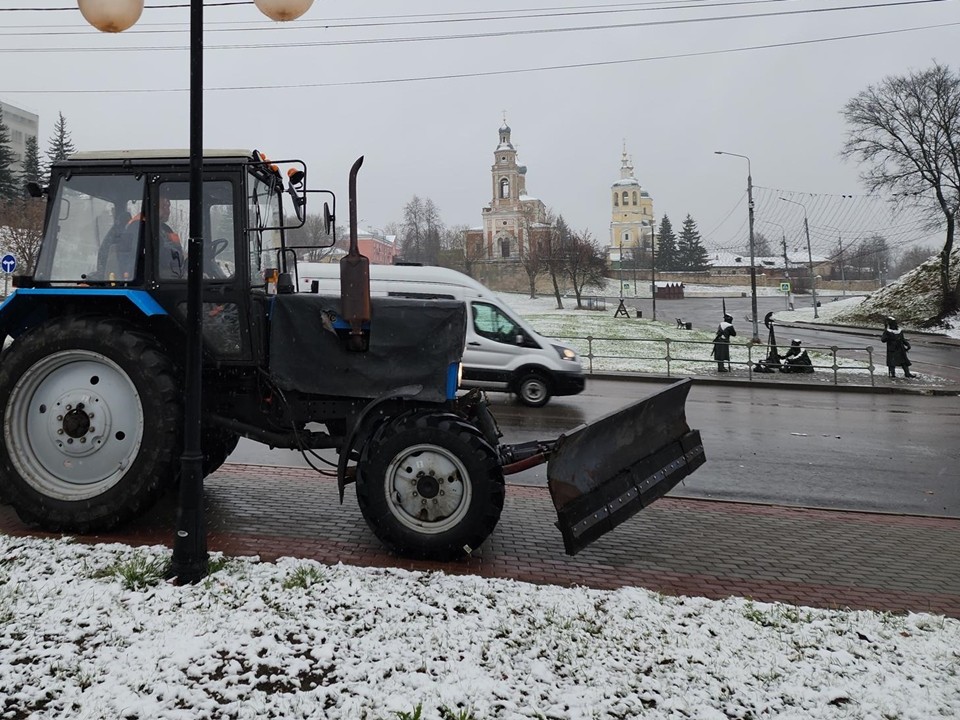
column 283, row 9
column 111, row 16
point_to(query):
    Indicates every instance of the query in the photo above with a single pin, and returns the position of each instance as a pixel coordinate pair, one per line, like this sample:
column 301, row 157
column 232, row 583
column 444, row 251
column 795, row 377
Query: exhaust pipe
column 355, row 278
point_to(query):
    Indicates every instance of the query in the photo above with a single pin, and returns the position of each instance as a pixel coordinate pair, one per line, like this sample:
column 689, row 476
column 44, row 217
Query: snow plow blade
column 604, row 473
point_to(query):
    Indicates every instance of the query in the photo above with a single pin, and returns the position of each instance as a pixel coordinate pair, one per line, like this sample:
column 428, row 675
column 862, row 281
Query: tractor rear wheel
column 429, row 486
column 91, row 411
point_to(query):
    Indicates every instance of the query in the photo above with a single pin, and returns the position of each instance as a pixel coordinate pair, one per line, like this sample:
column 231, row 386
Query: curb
column 933, row 390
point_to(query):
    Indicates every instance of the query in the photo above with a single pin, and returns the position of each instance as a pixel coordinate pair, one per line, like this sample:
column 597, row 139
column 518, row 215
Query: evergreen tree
column 692, row 254
column 9, row 189
column 60, row 145
column 31, row 163
column 667, row 246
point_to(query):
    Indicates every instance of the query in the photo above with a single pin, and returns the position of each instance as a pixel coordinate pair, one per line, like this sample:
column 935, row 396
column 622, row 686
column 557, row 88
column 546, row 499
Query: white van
column 502, row 351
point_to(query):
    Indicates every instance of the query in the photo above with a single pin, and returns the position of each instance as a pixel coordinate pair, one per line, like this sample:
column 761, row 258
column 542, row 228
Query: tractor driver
column 172, row 263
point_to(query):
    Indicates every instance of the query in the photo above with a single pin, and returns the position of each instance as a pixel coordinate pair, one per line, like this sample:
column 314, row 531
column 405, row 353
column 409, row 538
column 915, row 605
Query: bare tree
column 761, row 245
column 311, row 241
column 910, row 259
column 906, row 131
column 21, row 221
column 532, row 222
column 421, row 233
column 584, row 263
column 553, row 252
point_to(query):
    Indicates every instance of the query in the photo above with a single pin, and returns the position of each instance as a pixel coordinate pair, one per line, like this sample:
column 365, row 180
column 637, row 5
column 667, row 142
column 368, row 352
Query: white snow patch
column 297, row 639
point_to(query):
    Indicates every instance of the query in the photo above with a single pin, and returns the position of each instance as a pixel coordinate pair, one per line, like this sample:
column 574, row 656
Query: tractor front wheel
column 91, row 411
column 429, row 486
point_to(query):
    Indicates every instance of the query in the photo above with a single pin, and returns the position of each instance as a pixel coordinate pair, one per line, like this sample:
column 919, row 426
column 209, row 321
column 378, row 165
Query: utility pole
column 653, row 267
column 843, row 278
column 786, row 268
column 806, row 230
column 813, row 280
column 753, row 262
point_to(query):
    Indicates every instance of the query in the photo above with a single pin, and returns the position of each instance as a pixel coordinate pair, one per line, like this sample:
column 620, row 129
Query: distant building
column 795, row 263
column 512, row 219
column 631, row 219
column 21, row 125
column 380, row 248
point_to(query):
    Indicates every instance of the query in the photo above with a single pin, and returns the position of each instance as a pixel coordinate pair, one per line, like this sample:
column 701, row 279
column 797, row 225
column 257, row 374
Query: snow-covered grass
column 92, row 632
column 642, row 345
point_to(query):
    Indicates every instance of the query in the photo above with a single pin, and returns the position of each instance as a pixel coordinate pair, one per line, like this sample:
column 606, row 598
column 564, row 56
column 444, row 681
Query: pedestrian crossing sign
column 785, row 287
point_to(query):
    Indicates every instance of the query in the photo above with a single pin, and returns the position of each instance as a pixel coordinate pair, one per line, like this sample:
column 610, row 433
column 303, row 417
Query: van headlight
column 565, row 353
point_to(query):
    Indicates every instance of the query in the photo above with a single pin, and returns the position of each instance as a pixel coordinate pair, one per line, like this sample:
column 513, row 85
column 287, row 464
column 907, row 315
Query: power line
column 470, row 36
column 487, row 73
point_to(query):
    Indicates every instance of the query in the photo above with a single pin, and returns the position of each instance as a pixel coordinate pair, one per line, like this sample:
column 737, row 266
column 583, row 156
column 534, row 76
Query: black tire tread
column 451, row 544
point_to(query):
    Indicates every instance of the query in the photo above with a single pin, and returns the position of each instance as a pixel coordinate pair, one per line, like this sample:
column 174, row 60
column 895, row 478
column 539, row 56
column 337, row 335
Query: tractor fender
column 407, row 392
column 25, row 308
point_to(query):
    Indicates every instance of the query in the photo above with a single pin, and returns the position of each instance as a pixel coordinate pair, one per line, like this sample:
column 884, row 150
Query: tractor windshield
column 90, row 235
column 264, row 219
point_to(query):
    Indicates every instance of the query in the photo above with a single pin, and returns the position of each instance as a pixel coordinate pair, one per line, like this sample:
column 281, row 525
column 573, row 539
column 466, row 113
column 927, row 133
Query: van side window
column 490, row 322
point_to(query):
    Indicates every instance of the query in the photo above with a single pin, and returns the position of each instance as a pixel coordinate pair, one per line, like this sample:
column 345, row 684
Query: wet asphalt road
column 810, row 448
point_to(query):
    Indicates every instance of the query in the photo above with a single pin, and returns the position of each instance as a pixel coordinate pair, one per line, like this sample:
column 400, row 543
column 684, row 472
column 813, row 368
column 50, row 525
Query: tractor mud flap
column 603, row 473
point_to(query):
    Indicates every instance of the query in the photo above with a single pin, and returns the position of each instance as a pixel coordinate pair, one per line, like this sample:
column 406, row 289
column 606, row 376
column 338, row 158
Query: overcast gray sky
column 675, row 79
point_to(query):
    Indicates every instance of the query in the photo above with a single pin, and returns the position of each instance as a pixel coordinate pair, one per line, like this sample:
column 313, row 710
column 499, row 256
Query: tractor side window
column 173, row 230
column 490, row 322
column 263, row 211
column 92, row 236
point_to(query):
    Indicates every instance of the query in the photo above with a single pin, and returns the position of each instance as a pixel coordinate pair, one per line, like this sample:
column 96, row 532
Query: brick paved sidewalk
column 678, row 546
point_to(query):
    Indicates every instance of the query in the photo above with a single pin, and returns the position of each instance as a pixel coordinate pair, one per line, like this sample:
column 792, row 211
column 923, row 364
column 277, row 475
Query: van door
column 495, row 344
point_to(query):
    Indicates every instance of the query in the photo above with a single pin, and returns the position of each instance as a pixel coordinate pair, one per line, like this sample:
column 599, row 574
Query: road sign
column 8, row 263
column 785, row 287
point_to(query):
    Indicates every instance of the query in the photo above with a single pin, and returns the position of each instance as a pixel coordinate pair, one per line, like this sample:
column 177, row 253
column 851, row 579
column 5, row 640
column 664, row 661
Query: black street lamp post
column 190, row 541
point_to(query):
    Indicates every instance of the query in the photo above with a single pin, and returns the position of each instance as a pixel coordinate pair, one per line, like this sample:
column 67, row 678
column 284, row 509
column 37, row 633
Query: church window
column 505, row 248
column 616, row 199
column 634, row 197
column 626, row 197
column 626, row 236
column 504, row 188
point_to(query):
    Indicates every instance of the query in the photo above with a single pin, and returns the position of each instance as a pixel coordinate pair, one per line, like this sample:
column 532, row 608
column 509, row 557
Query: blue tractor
column 92, row 378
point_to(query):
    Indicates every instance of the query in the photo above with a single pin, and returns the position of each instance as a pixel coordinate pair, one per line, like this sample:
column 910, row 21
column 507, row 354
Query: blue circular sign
column 8, row 263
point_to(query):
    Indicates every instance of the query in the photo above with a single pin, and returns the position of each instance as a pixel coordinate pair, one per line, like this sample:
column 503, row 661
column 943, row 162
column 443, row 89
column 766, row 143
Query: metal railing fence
column 674, row 357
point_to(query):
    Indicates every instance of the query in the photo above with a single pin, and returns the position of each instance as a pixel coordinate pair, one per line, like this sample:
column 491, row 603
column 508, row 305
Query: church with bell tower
column 512, row 218
column 631, row 218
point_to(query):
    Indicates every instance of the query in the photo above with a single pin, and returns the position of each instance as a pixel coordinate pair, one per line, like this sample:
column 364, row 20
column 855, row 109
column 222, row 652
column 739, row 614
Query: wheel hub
column 78, row 422
column 426, row 488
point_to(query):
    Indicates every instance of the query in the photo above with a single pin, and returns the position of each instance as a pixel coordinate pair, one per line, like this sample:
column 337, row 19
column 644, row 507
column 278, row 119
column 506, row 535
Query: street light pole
column 753, row 263
column 806, row 230
column 189, row 563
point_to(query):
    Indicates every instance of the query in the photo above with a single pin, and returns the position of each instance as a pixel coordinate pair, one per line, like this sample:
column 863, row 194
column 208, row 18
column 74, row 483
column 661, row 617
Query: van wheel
column 429, row 486
column 533, row 389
